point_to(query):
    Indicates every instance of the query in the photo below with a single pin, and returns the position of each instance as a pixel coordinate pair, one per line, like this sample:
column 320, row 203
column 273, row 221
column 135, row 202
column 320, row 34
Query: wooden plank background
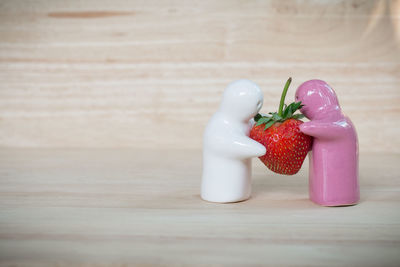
column 149, row 74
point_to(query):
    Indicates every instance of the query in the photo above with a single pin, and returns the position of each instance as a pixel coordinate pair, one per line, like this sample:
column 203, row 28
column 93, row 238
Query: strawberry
column 286, row 146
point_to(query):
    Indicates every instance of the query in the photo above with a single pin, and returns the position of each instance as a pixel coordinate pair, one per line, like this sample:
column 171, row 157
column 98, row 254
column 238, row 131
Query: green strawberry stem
column 283, row 96
column 283, row 114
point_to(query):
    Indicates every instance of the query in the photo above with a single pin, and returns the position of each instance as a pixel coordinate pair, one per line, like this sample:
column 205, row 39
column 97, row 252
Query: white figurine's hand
column 240, row 147
column 259, row 149
column 245, row 147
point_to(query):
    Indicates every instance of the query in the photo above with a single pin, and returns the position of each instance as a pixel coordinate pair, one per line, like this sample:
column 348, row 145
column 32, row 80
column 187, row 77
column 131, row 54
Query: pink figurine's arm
column 324, row 129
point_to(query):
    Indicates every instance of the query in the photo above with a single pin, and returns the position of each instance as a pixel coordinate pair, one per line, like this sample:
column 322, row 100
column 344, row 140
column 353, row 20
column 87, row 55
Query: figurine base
column 225, row 201
column 335, row 204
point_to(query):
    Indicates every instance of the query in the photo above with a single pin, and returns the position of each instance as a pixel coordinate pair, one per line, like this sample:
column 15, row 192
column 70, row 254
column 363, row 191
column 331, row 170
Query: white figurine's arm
column 246, row 147
column 323, row 129
column 238, row 147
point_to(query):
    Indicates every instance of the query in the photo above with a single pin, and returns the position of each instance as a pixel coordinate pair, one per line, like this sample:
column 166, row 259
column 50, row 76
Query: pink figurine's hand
column 305, row 128
column 301, row 126
column 324, row 129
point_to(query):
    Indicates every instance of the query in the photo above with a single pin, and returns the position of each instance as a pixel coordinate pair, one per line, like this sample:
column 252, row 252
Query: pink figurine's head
column 318, row 98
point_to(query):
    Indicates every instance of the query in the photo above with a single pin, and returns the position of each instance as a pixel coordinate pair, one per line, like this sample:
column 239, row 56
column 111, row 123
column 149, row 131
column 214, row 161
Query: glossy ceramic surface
column 227, row 149
column 333, row 174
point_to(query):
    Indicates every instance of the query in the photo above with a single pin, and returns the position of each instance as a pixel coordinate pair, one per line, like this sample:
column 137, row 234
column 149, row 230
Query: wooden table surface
column 142, row 207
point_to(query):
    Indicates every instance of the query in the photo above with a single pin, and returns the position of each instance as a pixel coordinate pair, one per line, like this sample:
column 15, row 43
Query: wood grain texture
column 101, row 207
column 150, row 73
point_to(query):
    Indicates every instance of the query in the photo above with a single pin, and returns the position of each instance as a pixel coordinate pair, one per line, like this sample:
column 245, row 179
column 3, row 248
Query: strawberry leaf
column 298, row 116
column 288, row 111
column 263, row 120
column 257, row 117
column 269, row 124
column 296, row 106
column 276, row 117
column 285, row 112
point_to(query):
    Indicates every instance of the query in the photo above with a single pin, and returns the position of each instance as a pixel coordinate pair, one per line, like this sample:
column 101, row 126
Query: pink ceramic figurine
column 333, row 170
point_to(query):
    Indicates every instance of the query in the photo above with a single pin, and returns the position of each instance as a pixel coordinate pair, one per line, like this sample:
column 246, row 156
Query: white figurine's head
column 242, row 100
column 318, row 98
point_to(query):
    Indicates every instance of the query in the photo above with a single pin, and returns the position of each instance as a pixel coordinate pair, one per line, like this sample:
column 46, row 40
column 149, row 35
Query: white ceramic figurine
column 227, row 149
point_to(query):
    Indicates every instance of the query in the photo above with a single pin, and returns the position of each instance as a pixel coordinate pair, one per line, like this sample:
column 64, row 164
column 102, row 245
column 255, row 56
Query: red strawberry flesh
column 286, row 146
